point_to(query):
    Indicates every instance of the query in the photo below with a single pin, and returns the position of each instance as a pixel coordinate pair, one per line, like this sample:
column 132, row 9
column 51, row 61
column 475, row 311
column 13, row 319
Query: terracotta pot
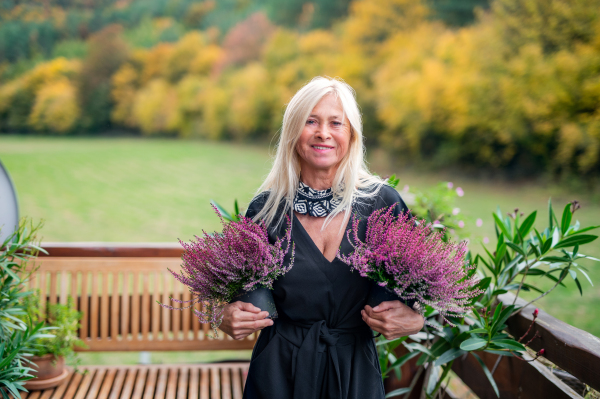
column 50, row 372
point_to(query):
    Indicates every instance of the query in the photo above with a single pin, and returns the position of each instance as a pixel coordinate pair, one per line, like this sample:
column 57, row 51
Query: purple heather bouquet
column 218, row 267
column 413, row 261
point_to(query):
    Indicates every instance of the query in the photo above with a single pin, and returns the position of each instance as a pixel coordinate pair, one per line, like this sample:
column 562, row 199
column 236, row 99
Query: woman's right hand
column 241, row 319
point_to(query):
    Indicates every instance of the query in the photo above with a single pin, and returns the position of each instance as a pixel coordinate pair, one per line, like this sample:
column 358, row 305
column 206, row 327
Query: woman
column 321, row 345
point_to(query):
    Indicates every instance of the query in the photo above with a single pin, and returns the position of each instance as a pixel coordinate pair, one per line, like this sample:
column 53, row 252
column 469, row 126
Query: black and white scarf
column 318, row 203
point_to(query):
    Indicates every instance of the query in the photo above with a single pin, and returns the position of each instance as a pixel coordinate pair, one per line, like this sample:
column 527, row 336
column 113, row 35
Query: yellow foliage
column 123, row 92
column 155, row 108
column 55, row 107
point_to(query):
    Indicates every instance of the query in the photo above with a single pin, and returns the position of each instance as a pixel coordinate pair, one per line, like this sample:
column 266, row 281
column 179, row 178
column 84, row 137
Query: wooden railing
column 119, row 285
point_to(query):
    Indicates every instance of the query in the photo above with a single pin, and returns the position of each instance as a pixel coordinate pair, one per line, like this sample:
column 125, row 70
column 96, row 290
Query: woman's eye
column 311, row 122
column 337, row 124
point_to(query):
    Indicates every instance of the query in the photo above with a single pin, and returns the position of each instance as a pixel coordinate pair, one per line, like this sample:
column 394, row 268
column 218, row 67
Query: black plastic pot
column 260, row 297
column 378, row 294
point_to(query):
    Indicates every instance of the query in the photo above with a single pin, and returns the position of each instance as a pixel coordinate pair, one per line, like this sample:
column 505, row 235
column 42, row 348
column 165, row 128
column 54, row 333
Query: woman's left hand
column 393, row 319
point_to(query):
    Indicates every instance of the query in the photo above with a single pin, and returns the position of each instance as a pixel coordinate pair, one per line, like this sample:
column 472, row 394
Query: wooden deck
column 181, row 381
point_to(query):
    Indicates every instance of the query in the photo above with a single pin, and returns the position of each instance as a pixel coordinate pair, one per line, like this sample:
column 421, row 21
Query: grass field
column 137, row 190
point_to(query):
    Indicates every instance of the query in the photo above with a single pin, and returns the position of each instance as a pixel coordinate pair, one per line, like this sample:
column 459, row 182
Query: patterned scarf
column 318, row 203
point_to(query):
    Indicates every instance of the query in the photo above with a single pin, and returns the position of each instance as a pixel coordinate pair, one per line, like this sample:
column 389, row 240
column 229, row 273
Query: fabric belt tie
column 318, row 339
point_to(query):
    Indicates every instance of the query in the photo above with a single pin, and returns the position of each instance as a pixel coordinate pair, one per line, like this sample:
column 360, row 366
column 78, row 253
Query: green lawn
column 136, row 190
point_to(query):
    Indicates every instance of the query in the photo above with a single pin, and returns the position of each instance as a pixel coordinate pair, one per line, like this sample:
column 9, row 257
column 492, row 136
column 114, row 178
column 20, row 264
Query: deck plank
column 172, row 383
column 118, row 384
column 236, row 382
column 161, row 384
column 128, row 386
column 225, row 383
column 73, row 385
column 187, row 381
column 140, row 383
column 204, row 384
column 194, row 384
column 96, row 383
column 84, row 385
column 183, row 383
column 215, row 383
column 108, row 382
column 150, row 383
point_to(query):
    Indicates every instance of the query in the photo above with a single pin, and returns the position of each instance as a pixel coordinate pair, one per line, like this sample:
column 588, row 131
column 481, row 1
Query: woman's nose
column 323, row 132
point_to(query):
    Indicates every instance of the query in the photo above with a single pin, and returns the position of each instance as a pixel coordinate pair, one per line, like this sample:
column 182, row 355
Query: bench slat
column 225, row 384
column 236, row 383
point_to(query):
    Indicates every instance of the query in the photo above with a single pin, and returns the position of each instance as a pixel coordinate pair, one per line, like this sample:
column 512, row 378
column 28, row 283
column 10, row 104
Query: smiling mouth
column 321, row 147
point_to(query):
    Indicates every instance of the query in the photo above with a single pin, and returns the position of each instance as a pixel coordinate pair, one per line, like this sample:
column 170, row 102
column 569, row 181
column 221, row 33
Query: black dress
column 319, row 346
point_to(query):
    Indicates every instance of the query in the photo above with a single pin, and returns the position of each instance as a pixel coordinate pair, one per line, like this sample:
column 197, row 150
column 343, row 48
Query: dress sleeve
column 389, row 196
column 256, row 205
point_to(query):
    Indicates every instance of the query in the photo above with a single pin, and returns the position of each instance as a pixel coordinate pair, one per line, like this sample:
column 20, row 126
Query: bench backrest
column 118, row 297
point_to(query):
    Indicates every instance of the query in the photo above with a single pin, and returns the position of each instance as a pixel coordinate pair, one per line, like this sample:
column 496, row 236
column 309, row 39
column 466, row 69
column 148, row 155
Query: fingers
column 247, row 307
column 249, row 316
column 387, row 305
column 375, row 324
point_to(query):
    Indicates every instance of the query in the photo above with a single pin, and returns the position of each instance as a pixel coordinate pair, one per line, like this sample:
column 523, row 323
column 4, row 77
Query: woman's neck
column 318, row 179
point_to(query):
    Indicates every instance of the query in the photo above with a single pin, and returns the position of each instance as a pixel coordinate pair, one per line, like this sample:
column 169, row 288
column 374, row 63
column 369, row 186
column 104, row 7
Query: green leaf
column 473, row 344
column 584, row 230
column 573, row 240
column 221, row 210
column 403, row 359
column 517, row 249
column 448, row 356
column 501, row 225
column 527, row 224
column 478, row 331
column 504, row 315
column 487, row 374
column 398, row 392
column 566, row 219
column 509, row 344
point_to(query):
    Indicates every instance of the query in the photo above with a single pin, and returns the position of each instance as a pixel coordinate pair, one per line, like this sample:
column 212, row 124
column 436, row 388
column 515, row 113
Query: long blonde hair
column 352, row 179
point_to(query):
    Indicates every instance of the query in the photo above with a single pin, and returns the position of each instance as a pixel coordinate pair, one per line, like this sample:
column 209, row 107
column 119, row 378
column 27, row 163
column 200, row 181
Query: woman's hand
column 393, row 319
column 241, row 319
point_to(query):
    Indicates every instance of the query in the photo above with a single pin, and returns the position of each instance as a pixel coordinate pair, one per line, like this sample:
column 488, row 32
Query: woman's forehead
column 329, row 106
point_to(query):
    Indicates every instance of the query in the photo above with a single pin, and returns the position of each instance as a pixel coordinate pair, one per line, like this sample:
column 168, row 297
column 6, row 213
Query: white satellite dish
column 9, row 207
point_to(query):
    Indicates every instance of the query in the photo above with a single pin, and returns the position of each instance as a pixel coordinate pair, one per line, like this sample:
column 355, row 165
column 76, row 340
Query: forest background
column 507, row 86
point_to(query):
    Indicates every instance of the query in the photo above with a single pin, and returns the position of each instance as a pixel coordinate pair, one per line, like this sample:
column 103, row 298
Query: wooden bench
column 117, row 288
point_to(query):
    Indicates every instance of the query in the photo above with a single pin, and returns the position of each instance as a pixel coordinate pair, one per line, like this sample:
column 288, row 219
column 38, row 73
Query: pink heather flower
column 461, row 224
column 455, row 211
column 486, row 240
column 450, row 185
column 414, row 262
column 479, row 222
column 460, row 191
column 218, row 266
column 535, row 312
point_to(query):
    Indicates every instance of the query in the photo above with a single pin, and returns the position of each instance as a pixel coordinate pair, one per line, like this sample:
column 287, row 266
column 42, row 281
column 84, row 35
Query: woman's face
column 325, row 138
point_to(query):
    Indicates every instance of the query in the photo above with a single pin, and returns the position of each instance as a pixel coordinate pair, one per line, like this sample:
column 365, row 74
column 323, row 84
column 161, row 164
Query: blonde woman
column 321, row 345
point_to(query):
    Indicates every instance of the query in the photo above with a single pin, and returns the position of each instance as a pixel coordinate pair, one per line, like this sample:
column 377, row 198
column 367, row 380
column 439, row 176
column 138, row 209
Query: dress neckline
column 314, row 246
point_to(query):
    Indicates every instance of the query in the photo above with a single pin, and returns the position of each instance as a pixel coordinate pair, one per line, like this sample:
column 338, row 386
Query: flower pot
column 50, row 372
column 378, row 294
column 260, row 297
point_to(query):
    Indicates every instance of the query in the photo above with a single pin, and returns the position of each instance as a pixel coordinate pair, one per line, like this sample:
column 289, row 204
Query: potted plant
column 52, row 353
column 17, row 336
